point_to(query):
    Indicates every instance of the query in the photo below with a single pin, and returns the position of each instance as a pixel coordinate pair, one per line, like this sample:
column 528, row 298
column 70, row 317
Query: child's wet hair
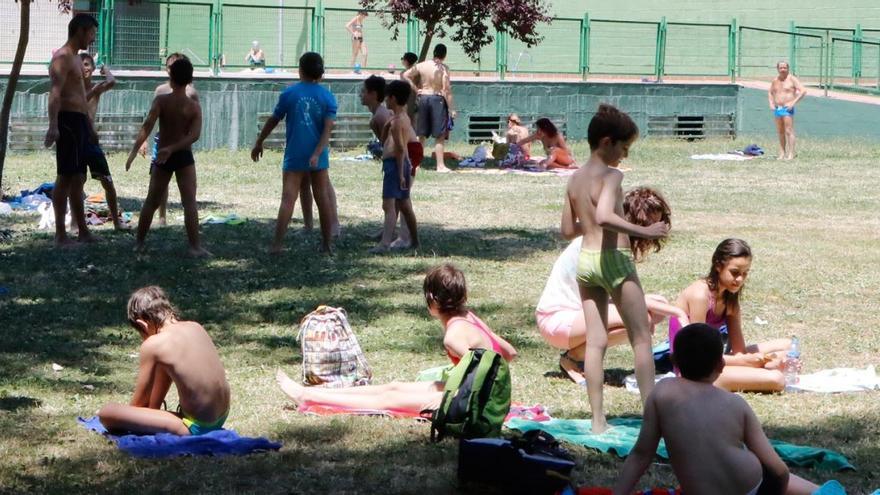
column 410, row 58
column 398, row 90
column 727, row 250
column 376, row 84
column 174, row 57
column 547, row 127
column 445, row 286
column 611, row 123
column 644, row 206
column 151, row 305
column 311, row 65
column 86, row 56
column 181, row 72
column 697, row 350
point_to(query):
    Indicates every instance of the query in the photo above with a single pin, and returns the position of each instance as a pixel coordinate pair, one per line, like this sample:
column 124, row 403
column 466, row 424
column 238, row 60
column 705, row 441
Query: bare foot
column 290, row 388
column 378, row 249
column 326, row 249
column 443, row 169
column 198, row 252
column 163, row 221
column 336, row 231
column 573, row 369
column 400, row 244
column 64, row 242
column 139, row 248
column 780, row 157
column 121, row 227
column 598, row 426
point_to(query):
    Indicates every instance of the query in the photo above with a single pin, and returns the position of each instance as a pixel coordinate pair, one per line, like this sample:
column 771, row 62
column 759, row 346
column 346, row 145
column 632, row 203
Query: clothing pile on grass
column 39, row 201
column 750, row 152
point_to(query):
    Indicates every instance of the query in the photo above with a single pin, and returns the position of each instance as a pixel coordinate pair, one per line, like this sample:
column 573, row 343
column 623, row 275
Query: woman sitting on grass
column 558, row 153
column 560, row 313
column 446, row 297
column 714, row 300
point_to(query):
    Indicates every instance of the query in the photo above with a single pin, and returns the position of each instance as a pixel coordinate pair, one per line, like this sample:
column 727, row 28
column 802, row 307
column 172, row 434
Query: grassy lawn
column 813, row 224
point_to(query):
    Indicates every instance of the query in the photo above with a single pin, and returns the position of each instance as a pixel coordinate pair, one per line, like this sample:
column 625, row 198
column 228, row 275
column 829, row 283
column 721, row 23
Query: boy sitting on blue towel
column 175, row 351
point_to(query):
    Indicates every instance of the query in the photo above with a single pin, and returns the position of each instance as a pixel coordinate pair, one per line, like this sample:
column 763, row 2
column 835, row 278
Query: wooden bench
column 352, row 130
column 116, row 132
column 480, row 127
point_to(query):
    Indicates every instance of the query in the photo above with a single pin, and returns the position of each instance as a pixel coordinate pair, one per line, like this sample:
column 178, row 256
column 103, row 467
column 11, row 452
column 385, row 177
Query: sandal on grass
column 575, row 375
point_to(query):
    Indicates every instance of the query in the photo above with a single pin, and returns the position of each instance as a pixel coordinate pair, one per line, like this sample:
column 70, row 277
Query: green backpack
column 476, row 398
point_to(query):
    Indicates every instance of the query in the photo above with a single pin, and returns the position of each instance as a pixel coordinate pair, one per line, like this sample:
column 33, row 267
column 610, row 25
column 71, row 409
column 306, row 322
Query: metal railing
column 217, row 35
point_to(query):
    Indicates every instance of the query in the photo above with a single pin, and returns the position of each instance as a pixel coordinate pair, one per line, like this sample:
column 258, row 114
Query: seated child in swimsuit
column 558, row 153
column 446, row 297
column 594, row 209
column 715, row 442
column 180, row 125
column 173, row 351
column 560, row 314
column 714, row 300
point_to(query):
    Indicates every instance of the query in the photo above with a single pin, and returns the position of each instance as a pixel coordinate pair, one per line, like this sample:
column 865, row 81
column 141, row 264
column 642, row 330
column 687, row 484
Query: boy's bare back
column 705, row 430
column 186, row 352
column 584, row 192
column 177, row 114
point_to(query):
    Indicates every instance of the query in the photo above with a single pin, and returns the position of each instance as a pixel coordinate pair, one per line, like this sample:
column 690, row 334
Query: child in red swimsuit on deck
column 446, row 297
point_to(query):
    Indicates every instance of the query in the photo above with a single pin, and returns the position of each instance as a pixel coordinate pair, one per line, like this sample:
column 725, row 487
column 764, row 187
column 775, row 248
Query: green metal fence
column 217, row 35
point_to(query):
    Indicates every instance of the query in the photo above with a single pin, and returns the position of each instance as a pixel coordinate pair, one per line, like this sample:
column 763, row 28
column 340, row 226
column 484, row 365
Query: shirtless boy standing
column 175, row 351
column 180, row 125
column 715, row 441
column 594, row 209
column 785, row 92
column 164, row 89
column 70, row 128
column 434, row 90
column 95, row 160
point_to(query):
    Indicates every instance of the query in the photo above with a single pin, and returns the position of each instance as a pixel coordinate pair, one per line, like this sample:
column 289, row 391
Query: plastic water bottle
column 792, row 362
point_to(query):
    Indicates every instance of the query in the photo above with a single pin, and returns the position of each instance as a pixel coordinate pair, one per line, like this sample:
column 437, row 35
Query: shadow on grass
column 65, row 306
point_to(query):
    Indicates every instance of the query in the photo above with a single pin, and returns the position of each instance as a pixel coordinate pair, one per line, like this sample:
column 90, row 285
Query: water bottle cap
column 793, row 354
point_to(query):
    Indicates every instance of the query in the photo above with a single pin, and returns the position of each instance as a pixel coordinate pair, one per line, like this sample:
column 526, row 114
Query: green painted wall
column 231, row 106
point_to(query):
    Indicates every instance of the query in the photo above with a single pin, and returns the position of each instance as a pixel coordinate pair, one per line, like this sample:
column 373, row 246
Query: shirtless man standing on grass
column 431, row 79
column 785, row 92
column 70, row 127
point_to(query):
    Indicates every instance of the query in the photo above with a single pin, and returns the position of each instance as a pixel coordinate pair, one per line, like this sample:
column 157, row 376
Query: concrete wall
column 231, row 106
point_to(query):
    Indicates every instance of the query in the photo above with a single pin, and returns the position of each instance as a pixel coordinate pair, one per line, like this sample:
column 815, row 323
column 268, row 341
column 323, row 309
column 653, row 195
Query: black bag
column 531, row 464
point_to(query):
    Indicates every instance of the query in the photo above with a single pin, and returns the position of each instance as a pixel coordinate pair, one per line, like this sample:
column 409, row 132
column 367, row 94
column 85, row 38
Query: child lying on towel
column 175, row 351
column 715, row 441
column 446, row 296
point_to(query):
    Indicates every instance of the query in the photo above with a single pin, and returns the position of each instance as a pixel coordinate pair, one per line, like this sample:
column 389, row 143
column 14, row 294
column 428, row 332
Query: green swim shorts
column 606, row 269
column 197, row 427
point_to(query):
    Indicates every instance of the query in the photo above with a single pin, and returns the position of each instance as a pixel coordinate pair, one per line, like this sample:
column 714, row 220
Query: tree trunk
column 429, row 36
column 25, row 26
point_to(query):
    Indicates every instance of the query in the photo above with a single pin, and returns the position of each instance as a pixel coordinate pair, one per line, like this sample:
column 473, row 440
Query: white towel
column 837, row 380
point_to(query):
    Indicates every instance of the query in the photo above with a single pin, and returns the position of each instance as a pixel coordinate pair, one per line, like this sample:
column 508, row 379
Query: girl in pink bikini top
column 446, row 296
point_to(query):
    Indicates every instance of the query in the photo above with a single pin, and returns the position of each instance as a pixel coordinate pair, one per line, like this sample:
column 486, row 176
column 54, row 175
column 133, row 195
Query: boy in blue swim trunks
column 173, row 351
column 310, row 110
column 594, row 209
column 180, row 125
column 785, row 92
column 397, row 168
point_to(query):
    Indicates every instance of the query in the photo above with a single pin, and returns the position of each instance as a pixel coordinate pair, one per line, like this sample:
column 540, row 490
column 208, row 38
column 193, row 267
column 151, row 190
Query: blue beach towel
column 621, row 438
column 218, row 442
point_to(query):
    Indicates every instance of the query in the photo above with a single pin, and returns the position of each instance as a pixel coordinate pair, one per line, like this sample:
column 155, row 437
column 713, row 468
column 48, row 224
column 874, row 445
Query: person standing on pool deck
column 785, row 92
